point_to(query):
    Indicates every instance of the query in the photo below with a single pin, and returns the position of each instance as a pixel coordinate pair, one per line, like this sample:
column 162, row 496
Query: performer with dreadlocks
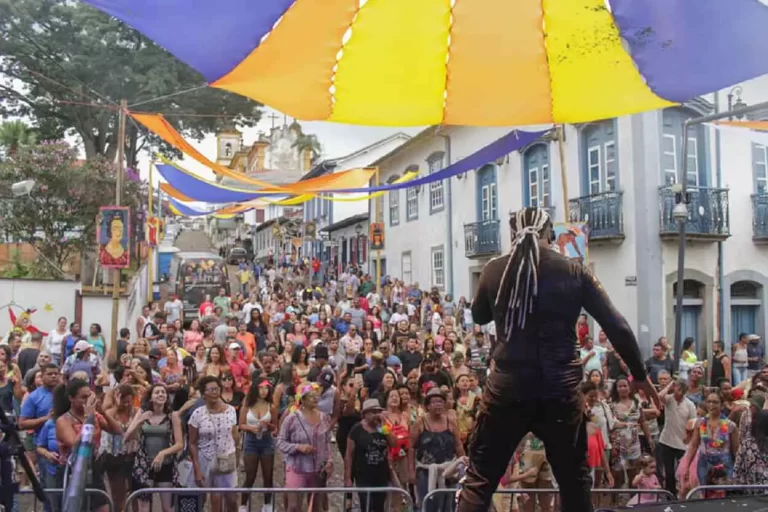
column 535, row 296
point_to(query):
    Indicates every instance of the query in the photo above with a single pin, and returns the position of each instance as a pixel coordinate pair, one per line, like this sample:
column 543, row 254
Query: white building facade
column 619, row 180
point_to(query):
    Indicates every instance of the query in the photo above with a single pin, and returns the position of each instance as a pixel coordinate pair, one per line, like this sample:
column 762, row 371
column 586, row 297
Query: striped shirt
column 295, row 431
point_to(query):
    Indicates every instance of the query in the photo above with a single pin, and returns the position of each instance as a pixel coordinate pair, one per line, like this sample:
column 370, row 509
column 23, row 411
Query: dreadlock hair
column 519, row 283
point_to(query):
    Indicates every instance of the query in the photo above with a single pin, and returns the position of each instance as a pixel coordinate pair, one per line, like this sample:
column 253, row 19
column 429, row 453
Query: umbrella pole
column 563, row 172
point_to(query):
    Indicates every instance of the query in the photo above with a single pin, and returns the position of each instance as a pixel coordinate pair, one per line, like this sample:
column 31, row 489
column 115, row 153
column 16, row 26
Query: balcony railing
column 760, row 217
column 603, row 214
column 708, row 215
column 482, row 239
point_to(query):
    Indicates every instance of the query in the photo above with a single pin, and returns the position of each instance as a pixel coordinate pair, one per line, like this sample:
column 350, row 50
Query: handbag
column 224, row 464
column 321, row 476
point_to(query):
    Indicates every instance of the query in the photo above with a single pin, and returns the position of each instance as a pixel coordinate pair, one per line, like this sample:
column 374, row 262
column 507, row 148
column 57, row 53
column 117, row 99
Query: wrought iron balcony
column 708, row 216
column 603, row 214
column 482, row 239
column 760, row 218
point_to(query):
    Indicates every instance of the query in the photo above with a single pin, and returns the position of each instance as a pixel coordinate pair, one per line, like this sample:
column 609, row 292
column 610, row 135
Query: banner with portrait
column 113, row 236
column 572, row 240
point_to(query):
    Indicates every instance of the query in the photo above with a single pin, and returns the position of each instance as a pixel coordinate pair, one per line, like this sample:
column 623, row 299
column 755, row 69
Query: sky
column 336, row 140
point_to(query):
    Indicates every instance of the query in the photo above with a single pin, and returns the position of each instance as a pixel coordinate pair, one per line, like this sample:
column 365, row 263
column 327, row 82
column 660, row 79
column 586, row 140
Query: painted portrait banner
column 571, row 240
column 376, row 236
column 113, row 236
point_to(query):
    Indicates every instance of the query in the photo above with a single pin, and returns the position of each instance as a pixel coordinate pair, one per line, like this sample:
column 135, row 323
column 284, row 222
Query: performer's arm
column 597, row 304
column 482, row 308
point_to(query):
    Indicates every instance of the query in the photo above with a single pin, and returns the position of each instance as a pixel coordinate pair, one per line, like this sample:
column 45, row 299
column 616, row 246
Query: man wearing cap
column 237, row 366
column 82, row 360
column 755, row 355
column 319, row 363
column 366, row 456
column 328, row 395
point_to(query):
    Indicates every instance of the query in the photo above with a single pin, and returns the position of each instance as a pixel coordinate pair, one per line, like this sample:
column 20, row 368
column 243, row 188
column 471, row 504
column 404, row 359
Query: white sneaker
column 267, row 507
column 243, row 508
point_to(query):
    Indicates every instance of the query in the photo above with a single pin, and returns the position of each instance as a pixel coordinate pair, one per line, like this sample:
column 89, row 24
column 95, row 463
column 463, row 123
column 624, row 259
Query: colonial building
column 325, row 212
column 620, row 177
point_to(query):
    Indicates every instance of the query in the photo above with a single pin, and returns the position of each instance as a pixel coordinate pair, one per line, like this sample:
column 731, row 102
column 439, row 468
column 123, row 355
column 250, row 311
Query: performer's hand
column 611, row 483
column 650, row 392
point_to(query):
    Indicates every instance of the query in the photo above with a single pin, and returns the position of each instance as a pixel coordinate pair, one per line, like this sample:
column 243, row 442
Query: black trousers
column 501, row 425
column 669, row 459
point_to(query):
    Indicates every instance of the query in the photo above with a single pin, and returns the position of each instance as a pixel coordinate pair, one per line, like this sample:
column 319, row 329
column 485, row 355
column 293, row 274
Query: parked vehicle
column 193, row 275
column 236, row 254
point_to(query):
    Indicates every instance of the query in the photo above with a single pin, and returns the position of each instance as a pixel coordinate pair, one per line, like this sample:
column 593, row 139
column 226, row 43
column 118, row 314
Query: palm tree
column 14, row 134
column 308, row 142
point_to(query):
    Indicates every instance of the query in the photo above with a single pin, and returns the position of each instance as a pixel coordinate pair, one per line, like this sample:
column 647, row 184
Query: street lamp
column 358, row 229
column 736, row 91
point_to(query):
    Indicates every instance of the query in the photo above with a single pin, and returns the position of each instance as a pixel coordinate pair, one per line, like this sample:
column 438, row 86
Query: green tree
column 14, row 134
column 59, row 216
column 58, row 54
column 308, row 142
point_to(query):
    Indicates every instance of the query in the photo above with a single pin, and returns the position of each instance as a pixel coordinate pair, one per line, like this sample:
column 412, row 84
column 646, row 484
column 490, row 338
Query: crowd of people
column 390, row 376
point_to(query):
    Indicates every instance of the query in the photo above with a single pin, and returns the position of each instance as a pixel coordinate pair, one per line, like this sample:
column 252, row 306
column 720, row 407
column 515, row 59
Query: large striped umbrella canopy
column 464, row 62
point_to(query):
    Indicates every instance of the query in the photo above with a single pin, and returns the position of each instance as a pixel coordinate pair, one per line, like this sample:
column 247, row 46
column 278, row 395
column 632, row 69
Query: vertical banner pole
column 378, row 203
column 118, row 202
column 150, row 249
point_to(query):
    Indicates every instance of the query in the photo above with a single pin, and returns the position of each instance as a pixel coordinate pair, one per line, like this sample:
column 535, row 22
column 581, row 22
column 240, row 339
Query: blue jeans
column 708, row 460
column 443, row 502
column 739, row 375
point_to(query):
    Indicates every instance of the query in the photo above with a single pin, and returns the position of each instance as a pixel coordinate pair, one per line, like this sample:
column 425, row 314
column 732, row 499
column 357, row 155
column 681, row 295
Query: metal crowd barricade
column 732, row 487
column 433, row 495
column 201, row 491
column 54, row 492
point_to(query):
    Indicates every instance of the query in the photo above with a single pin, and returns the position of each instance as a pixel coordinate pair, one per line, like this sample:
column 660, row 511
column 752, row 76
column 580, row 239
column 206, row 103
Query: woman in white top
column 258, row 419
column 54, row 340
column 212, row 433
column 740, row 362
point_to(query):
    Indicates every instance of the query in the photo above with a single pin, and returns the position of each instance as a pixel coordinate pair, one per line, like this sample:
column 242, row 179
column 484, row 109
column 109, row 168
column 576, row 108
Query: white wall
column 51, row 299
column 345, row 209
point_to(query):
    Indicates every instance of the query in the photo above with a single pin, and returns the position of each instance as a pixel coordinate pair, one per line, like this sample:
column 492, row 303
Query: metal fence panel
column 438, row 493
column 704, row 488
column 200, row 492
column 54, row 492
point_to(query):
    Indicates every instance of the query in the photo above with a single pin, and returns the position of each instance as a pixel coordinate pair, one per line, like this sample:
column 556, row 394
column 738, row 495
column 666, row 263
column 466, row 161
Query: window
column 692, row 165
column 406, row 267
column 436, row 197
column 760, row 166
column 438, row 267
column 411, row 203
column 593, row 167
column 538, row 184
column 533, row 185
column 363, row 249
column 489, row 200
column 394, row 207
column 669, row 159
column 546, row 187
column 600, row 161
column 610, row 166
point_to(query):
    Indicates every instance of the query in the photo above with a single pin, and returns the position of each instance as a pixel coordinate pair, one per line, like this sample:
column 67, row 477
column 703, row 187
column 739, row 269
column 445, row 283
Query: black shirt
column 440, row 378
column 410, row 361
column 26, row 359
column 546, row 351
column 653, row 366
column 372, row 378
column 370, row 466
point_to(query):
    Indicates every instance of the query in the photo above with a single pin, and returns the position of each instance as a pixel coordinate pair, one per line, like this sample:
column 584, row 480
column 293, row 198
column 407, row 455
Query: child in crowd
column 645, row 479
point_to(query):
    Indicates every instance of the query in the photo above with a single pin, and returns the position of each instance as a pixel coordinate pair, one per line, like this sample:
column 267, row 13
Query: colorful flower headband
column 303, row 390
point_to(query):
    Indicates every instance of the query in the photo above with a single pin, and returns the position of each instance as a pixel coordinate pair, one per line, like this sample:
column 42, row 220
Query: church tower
column 229, row 141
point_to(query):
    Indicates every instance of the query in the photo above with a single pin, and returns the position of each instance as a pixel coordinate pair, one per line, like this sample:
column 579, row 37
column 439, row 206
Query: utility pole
column 118, row 201
column 150, row 249
column 378, row 251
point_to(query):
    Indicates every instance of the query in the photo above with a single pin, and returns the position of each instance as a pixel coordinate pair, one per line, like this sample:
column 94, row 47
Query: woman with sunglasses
column 212, row 434
column 258, row 419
